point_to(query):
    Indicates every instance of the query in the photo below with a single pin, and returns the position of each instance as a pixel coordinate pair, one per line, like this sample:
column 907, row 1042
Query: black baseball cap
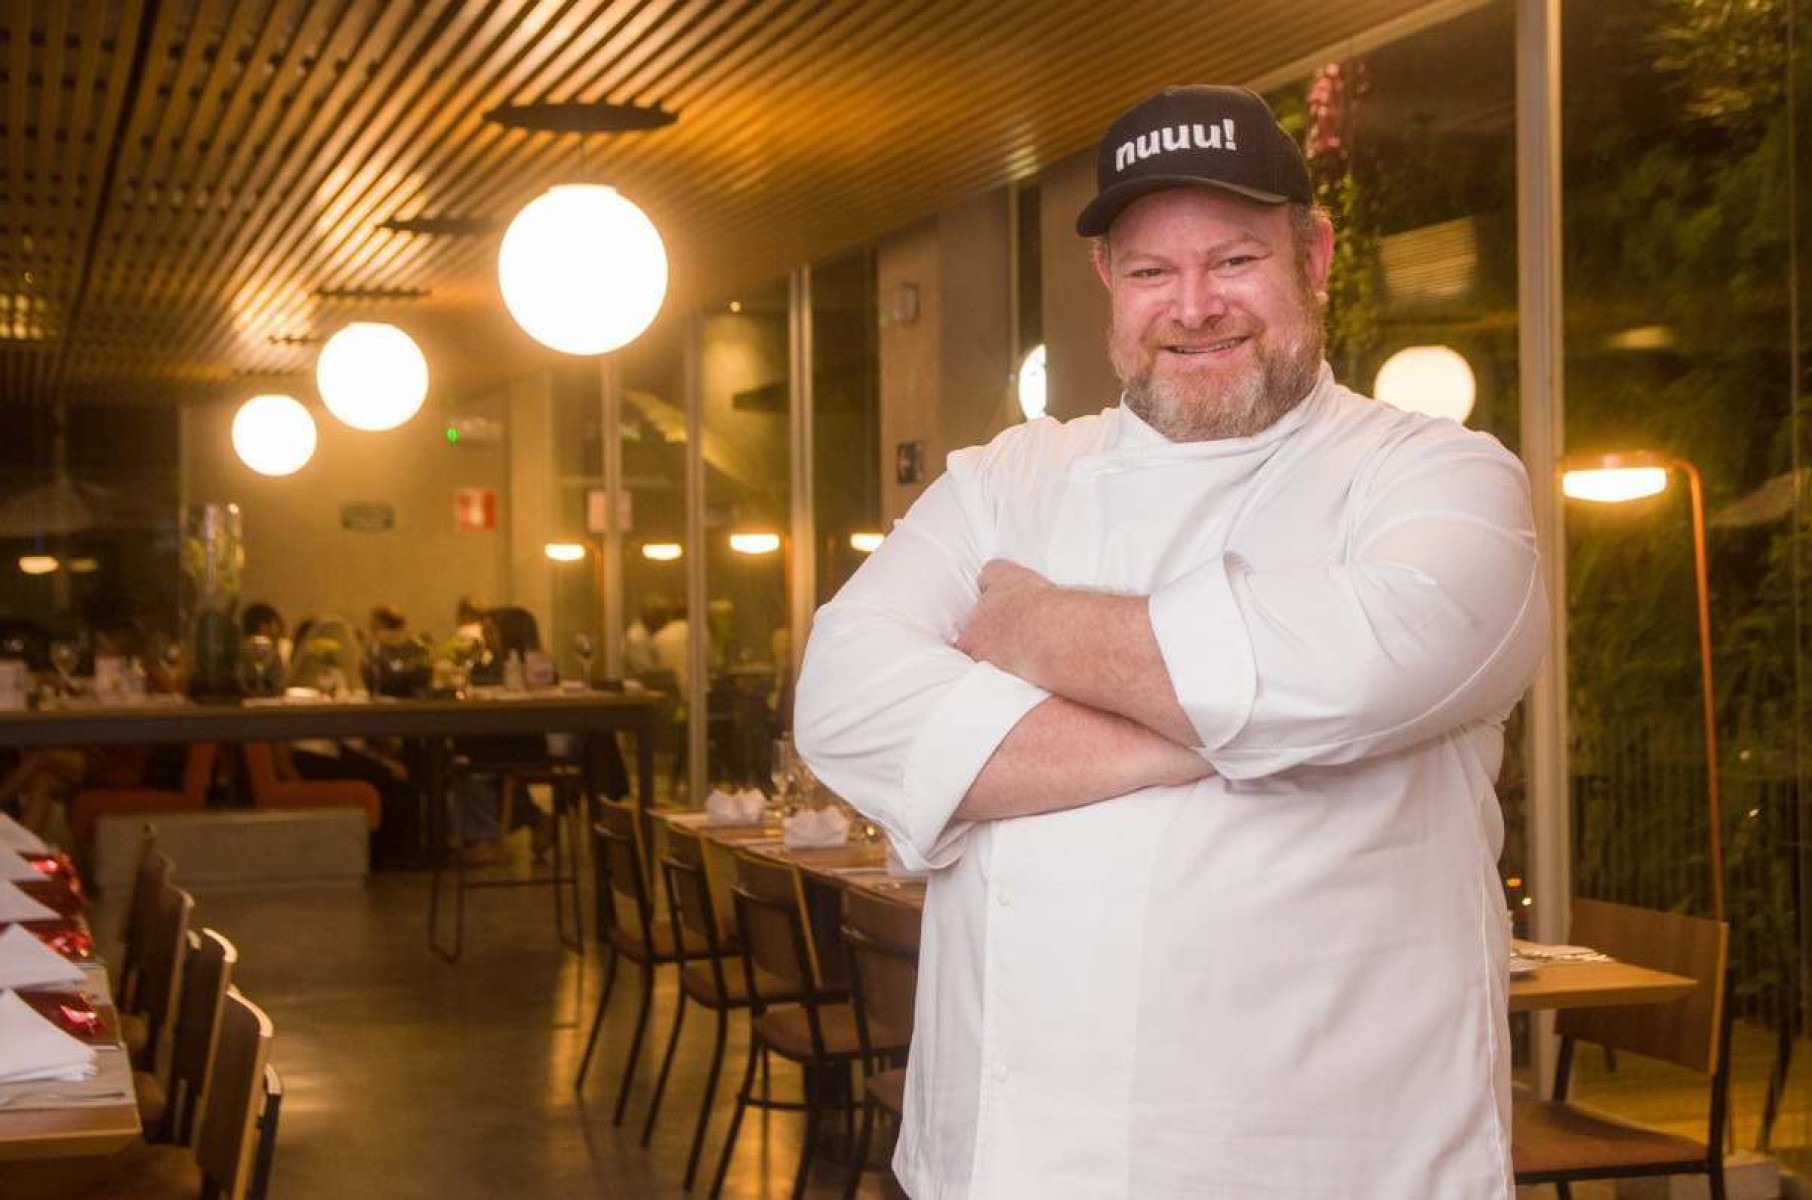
column 1222, row 137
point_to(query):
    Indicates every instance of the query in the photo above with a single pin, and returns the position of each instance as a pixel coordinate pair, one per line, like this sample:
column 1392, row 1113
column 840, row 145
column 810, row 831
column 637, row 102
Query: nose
column 1198, row 301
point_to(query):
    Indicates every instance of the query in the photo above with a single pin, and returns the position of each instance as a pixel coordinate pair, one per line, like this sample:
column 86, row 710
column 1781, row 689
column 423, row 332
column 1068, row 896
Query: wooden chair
column 151, row 1012
column 170, row 1102
column 94, row 803
column 881, row 939
column 232, row 1152
column 815, row 1028
column 1556, row 1141
column 154, row 870
column 703, row 980
column 627, row 926
column 275, row 787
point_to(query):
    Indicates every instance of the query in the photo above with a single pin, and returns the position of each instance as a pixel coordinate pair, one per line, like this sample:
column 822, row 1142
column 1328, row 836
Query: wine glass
column 64, row 656
column 783, row 769
column 261, row 661
column 585, row 648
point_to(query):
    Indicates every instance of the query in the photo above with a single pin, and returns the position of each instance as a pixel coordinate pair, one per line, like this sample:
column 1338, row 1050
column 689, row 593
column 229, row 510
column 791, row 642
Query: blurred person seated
column 329, row 660
column 397, row 662
column 262, row 620
column 478, row 797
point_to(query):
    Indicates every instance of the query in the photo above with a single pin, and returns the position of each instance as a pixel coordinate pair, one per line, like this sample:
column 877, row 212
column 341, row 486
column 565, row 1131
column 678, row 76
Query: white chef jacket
column 1287, row 979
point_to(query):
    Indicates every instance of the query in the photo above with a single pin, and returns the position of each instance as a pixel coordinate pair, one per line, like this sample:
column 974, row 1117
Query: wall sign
column 367, row 516
column 475, row 509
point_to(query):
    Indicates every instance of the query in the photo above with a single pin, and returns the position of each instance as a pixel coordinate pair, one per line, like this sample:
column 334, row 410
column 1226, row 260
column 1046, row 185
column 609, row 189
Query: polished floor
column 407, row 1076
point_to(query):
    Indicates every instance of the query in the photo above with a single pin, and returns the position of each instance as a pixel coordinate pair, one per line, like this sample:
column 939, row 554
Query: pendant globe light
column 372, row 376
column 582, row 268
column 274, row 435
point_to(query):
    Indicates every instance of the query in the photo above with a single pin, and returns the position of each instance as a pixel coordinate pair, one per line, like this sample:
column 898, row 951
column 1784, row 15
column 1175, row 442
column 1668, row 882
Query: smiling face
column 1217, row 311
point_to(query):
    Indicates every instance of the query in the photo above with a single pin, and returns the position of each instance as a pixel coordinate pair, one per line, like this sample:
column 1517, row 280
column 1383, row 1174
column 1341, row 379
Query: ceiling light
column 755, row 543
column 38, row 564
column 661, row 551
column 372, row 376
column 583, row 270
column 273, row 435
column 84, row 566
column 1031, row 385
column 564, row 551
column 1434, row 380
column 867, row 543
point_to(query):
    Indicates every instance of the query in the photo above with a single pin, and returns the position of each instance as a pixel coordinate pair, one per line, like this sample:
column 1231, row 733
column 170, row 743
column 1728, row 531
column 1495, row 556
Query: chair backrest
column 166, row 944
column 154, row 870
column 772, row 927
column 229, row 1117
column 205, row 978
column 882, row 941
column 689, row 902
column 618, row 861
column 1686, row 1032
column 267, row 1135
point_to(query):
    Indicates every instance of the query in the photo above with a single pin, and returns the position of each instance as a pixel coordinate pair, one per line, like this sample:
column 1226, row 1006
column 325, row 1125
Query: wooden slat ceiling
column 182, row 178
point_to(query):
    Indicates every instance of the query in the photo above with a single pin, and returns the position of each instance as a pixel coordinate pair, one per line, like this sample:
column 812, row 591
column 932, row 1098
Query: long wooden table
column 85, row 1129
column 1553, row 985
column 579, row 713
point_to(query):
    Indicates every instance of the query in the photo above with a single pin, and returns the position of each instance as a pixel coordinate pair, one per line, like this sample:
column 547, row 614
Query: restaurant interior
column 430, row 427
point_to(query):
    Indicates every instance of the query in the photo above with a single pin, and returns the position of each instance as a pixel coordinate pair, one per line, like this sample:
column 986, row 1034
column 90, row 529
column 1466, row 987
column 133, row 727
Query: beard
column 1207, row 404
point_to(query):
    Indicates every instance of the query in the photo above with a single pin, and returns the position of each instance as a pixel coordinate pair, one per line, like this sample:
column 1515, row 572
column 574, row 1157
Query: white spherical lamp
column 1435, row 380
column 1031, row 385
column 273, row 435
column 582, row 269
column 372, row 376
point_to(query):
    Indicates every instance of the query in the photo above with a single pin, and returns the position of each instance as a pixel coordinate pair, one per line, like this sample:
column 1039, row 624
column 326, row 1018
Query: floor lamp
column 1613, row 479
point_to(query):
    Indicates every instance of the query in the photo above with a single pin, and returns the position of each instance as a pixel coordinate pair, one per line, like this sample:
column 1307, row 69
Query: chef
column 1192, row 709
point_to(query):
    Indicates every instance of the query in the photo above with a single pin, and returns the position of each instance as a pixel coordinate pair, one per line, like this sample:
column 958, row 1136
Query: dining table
column 168, row 719
column 96, row 1116
column 1559, row 982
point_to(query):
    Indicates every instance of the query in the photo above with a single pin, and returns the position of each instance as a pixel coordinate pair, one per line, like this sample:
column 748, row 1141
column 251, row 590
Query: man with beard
column 1191, row 709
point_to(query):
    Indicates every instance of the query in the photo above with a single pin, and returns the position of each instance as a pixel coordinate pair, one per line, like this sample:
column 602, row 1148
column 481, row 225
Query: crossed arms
column 942, row 687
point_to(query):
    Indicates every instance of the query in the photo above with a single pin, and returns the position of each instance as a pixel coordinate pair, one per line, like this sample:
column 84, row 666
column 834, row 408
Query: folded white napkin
column 816, row 828
column 33, row 1048
column 14, row 867
column 25, row 962
column 735, row 808
column 15, row 905
column 15, row 836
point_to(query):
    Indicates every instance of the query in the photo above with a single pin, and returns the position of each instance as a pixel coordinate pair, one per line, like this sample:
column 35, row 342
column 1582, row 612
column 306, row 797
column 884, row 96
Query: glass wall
column 745, row 389
column 1682, row 258
column 88, row 510
column 1412, row 149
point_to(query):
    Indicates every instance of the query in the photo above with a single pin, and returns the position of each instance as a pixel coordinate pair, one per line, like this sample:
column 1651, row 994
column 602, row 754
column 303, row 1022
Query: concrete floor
column 408, row 1077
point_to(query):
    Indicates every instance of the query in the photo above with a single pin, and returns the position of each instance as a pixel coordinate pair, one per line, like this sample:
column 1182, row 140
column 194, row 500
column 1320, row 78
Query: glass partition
column 745, row 388
column 1682, row 265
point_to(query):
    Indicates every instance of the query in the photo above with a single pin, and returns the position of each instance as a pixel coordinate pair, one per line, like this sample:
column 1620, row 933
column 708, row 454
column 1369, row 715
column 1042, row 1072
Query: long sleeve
column 888, row 713
column 1436, row 619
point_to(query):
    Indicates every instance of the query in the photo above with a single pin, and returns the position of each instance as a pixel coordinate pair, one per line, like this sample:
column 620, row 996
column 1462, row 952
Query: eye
column 1238, row 260
column 1145, row 273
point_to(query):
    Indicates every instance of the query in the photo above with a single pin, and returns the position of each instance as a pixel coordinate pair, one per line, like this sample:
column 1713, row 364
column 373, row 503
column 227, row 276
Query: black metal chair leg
column 858, row 1159
column 814, row 1109
column 742, row 1104
column 704, row 1108
column 635, row 1042
column 597, row 1022
column 660, row 1082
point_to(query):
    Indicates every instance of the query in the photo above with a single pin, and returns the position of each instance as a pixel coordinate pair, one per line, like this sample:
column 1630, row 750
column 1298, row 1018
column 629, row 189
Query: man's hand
column 1006, row 628
column 1094, row 648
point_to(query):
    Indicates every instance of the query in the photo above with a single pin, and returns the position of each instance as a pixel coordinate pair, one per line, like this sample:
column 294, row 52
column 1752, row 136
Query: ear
column 1321, row 256
column 1104, row 268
